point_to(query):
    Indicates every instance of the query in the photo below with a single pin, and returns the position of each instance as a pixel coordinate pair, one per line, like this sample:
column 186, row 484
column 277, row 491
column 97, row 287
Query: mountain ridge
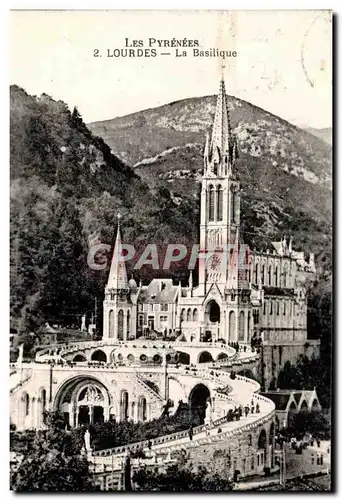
column 285, row 172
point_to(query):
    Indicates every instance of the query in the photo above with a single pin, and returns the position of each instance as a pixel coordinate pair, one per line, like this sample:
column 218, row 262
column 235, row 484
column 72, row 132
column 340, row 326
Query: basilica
column 137, row 372
column 262, row 295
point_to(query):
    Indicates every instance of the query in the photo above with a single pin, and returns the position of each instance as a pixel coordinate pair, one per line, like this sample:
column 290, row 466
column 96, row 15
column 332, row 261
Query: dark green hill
column 66, row 190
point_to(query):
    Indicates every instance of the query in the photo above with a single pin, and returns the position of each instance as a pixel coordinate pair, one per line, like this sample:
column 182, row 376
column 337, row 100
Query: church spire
column 118, row 275
column 222, row 132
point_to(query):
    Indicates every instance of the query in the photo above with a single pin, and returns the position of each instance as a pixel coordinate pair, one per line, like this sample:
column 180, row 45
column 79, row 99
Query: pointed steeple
column 222, row 134
column 118, row 275
column 190, row 280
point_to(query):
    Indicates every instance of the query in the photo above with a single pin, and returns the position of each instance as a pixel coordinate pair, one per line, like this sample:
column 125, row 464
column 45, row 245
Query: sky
column 283, row 62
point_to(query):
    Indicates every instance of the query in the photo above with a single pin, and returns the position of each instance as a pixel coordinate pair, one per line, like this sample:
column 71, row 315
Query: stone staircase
column 149, row 389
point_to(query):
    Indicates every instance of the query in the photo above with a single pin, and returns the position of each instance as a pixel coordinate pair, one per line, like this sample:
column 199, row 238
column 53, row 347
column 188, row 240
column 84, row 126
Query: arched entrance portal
column 198, row 401
column 212, row 312
column 291, row 413
column 246, row 373
column 83, row 401
column 262, row 442
column 90, row 406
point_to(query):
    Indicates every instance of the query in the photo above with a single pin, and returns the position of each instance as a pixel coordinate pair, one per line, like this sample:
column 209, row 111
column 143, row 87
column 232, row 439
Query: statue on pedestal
column 208, row 416
column 87, row 441
column 83, row 324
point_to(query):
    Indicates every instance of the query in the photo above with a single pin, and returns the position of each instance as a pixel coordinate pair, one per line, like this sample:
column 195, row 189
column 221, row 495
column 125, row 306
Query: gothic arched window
column 188, row 316
column 111, row 324
column 124, row 405
column 128, row 322
column 241, row 326
column 142, row 414
column 263, row 274
column 27, row 403
column 211, row 203
column 270, row 276
column 120, row 324
column 276, row 274
column 183, row 315
column 232, row 325
column 195, row 315
column 232, row 205
column 285, row 276
column 219, row 202
column 256, row 273
column 248, row 326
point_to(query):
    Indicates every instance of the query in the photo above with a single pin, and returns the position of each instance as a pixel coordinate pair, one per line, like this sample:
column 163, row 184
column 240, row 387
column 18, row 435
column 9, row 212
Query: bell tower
column 220, row 197
column 118, row 311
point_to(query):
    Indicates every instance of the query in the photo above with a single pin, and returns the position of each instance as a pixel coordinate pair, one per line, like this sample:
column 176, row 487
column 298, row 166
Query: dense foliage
column 66, row 191
column 307, row 374
column 316, row 423
column 302, row 484
column 181, row 477
column 52, row 462
column 111, row 434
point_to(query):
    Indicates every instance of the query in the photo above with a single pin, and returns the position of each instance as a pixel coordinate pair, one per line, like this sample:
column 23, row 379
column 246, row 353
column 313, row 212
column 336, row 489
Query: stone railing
column 169, row 438
column 113, row 454
column 21, row 383
column 147, row 388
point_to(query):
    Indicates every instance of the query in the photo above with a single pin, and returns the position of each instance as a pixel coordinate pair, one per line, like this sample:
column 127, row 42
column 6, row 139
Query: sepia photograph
column 171, row 257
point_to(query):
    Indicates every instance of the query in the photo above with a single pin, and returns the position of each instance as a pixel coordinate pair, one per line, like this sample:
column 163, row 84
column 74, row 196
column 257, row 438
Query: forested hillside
column 66, row 191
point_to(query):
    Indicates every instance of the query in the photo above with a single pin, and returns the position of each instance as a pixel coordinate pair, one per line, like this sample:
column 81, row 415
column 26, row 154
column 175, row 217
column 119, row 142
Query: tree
column 182, row 477
column 53, row 462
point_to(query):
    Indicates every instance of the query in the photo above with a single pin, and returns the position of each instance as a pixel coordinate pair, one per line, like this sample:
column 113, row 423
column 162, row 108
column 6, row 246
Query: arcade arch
column 212, row 312
column 82, row 400
column 205, row 357
column 80, row 358
column 184, row 358
column 99, row 355
column 198, row 401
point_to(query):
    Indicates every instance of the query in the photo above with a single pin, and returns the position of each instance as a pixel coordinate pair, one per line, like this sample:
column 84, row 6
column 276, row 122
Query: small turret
column 207, row 151
column 190, row 281
column 133, row 285
column 290, row 246
column 284, row 245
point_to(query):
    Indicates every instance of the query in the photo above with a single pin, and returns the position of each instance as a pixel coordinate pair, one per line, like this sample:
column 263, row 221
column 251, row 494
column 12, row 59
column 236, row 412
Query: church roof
column 279, row 399
column 159, row 291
